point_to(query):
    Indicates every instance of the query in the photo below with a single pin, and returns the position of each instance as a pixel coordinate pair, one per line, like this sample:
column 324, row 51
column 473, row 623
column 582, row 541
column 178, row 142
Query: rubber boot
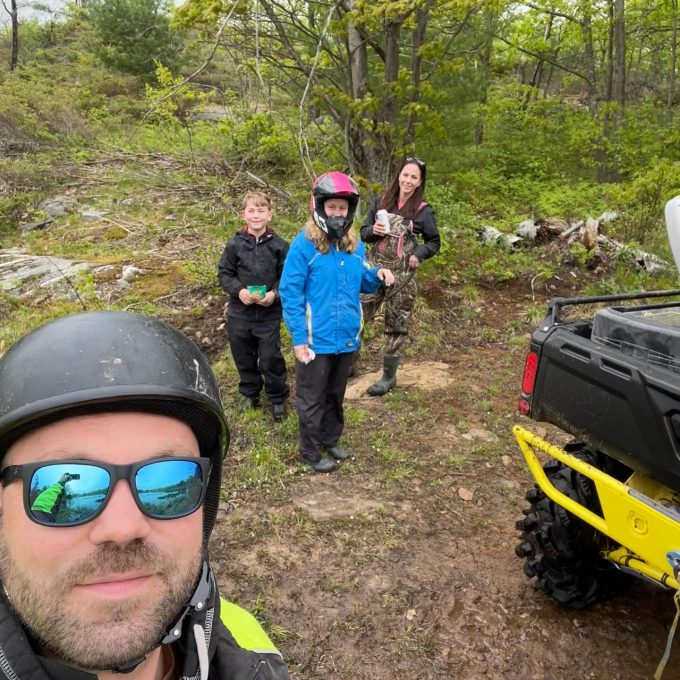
column 388, row 379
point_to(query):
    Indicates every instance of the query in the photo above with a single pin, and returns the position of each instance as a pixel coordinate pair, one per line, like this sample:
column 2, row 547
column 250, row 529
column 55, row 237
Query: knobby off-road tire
column 561, row 551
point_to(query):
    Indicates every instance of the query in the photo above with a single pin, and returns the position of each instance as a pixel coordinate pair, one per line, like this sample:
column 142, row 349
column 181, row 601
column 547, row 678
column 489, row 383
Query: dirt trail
column 383, row 570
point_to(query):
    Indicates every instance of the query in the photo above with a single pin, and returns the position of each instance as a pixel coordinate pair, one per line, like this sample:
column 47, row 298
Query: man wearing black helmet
column 118, row 416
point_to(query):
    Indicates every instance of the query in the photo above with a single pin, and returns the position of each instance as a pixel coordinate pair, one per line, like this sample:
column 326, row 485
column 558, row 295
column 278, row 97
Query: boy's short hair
column 258, row 198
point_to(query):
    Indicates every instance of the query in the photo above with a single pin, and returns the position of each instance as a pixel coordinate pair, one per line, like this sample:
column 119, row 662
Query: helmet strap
column 198, row 603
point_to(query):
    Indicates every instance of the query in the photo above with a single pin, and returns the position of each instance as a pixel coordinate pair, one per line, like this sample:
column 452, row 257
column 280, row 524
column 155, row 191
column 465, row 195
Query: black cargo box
column 609, row 394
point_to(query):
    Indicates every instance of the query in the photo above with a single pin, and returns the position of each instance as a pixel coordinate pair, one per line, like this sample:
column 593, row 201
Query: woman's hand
column 268, row 299
column 379, row 229
column 386, row 276
column 413, row 262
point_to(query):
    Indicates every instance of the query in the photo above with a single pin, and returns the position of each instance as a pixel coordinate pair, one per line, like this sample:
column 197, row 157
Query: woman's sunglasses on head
column 66, row 493
column 413, row 159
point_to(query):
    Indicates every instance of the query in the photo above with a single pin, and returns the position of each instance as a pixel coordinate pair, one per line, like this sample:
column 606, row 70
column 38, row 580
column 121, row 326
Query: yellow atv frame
column 640, row 515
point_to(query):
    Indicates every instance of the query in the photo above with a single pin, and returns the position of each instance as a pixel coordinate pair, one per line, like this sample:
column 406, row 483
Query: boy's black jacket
column 247, row 261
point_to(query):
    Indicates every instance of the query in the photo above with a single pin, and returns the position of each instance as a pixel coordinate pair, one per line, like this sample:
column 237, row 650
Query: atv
column 605, row 506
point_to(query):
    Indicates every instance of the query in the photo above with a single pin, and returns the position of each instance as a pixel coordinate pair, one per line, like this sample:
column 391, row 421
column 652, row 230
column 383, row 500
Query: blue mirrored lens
column 67, row 493
column 169, row 488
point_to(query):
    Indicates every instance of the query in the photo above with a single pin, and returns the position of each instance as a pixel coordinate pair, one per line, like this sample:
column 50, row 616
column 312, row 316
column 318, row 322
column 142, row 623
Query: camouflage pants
column 398, row 301
column 393, row 252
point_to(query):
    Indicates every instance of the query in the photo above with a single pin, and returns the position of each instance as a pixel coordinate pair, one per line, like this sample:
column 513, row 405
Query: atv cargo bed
column 613, row 395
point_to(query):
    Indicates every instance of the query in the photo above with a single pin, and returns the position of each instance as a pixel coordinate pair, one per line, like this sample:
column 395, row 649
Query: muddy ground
column 402, row 563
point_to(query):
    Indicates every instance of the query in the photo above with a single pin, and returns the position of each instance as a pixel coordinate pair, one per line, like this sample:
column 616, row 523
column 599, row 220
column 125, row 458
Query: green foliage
column 202, row 270
column 260, row 139
column 641, row 200
column 133, row 35
column 64, row 95
column 581, row 254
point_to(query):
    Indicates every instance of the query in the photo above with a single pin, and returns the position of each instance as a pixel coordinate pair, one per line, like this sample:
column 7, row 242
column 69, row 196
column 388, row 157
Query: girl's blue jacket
column 320, row 295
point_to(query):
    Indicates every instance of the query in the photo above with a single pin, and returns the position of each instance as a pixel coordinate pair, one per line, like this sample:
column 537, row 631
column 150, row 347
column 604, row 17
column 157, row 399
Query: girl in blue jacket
column 323, row 274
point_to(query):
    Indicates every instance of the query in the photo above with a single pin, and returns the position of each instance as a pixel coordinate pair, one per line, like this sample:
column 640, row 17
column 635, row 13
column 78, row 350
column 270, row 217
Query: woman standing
column 323, row 275
column 396, row 243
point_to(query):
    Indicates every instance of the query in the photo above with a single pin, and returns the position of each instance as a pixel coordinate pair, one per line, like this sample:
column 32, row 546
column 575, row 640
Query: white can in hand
column 383, row 217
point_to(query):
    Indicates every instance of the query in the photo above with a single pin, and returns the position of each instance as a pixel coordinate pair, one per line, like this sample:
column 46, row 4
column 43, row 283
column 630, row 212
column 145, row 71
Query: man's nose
column 121, row 521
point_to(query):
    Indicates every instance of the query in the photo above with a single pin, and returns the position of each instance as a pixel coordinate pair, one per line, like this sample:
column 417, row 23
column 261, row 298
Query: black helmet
column 333, row 185
column 99, row 362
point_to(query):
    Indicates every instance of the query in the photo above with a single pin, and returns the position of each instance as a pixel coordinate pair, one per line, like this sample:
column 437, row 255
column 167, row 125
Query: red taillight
column 530, row 369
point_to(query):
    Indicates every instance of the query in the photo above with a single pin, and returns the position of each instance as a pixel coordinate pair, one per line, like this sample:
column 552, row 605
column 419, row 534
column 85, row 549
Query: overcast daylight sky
column 25, row 10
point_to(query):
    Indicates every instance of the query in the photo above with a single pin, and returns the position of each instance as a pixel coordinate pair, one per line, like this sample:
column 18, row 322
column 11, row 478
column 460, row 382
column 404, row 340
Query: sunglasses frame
column 412, row 159
column 116, row 472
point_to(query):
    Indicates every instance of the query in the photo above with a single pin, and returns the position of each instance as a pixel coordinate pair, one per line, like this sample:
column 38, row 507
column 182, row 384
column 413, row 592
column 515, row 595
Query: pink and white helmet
column 334, row 185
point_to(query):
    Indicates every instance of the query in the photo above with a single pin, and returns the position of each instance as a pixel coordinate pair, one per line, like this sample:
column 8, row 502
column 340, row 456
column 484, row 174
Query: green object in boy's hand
column 257, row 292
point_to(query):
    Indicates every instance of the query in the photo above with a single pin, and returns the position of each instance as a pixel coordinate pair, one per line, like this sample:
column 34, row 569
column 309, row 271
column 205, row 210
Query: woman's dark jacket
column 250, row 261
column 424, row 225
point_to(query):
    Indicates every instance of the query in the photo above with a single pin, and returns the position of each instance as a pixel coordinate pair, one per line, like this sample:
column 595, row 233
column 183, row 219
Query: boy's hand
column 379, row 229
column 414, row 262
column 245, row 297
column 386, row 276
column 268, row 299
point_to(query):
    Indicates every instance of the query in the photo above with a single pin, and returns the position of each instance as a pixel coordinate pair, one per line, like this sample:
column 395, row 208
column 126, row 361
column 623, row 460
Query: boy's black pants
column 319, row 393
column 256, row 348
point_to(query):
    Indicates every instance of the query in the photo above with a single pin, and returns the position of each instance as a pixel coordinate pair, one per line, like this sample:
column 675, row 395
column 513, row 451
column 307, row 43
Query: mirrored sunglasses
column 66, row 493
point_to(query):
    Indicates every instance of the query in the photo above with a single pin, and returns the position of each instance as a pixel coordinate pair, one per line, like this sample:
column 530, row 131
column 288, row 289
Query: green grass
column 355, row 416
column 398, row 465
column 455, row 460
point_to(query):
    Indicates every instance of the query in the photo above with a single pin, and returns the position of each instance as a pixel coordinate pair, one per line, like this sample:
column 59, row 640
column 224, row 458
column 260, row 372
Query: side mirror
column 673, row 228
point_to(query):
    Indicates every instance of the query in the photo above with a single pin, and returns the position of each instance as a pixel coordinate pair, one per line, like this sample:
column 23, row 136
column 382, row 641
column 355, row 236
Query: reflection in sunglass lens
column 169, row 488
column 67, row 494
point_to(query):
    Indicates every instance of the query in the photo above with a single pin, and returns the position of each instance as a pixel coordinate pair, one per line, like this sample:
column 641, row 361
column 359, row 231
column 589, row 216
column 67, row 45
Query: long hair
column 390, row 198
column 348, row 242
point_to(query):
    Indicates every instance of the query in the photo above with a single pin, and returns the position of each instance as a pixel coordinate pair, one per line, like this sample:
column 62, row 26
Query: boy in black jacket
column 249, row 270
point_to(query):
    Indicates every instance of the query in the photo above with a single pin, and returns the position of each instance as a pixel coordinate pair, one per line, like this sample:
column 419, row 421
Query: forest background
column 157, row 117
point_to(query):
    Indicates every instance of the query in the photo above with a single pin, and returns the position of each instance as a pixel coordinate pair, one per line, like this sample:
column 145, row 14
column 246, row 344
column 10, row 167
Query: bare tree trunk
column 603, row 171
column 587, row 33
column 674, row 56
column 609, row 87
column 358, row 62
column 546, row 85
column 536, row 77
column 388, row 121
column 355, row 145
column 14, row 14
column 485, row 58
column 619, row 78
column 422, row 16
